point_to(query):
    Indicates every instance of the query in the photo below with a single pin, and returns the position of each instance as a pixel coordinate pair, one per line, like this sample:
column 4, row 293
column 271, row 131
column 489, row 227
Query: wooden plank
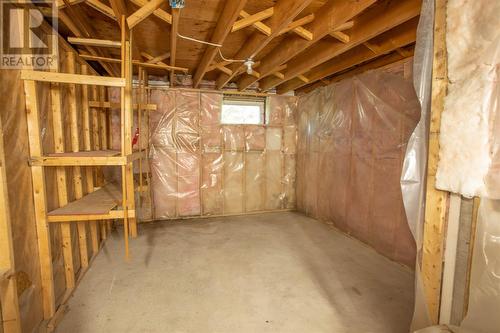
column 40, row 203
column 87, row 154
column 143, row 12
column 436, row 207
column 251, row 19
column 72, row 78
column 84, row 158
column 9, row 301
column 284, row 13
column 374, row 22
column 329, row 17
column 226, row 19
column 173, row 42
column 98, row 202
column 94, row 42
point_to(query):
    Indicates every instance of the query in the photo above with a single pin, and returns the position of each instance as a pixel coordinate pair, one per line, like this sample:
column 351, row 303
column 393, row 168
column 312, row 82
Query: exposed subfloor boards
column 275, row 272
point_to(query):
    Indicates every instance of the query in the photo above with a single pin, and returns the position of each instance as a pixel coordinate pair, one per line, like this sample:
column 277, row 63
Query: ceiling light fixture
column 249, row 63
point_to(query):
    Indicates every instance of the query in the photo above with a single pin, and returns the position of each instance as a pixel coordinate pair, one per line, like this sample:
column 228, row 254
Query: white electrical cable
column 229, row 60
column 211, row 44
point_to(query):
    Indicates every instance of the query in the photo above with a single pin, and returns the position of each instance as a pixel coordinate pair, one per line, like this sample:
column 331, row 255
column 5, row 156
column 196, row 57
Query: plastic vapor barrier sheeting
column 202, row 167
column 352, row 141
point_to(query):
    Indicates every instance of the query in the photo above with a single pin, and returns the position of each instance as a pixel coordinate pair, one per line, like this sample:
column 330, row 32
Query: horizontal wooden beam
column 248, row 19
column 73, row 78
column 112, row 215
column 95, row 42
column 111, row 105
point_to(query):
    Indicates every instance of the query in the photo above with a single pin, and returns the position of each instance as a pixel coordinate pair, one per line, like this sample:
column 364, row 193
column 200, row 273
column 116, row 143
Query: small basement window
column 243, row 112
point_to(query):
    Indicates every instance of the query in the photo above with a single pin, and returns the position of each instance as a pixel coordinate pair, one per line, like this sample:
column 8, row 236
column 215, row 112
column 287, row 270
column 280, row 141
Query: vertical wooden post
column 97, row 146
column 62, row 193
column 89, row 174
column 11, row 321
column 75, row 147
column 40, row 201
column 436, row 201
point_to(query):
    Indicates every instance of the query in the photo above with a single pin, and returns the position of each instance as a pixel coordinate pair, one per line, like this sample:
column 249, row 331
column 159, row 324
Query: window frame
column 260, row 102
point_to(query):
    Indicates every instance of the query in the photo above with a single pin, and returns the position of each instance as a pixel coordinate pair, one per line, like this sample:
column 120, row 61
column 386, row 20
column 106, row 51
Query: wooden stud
column 436, row 207
column 89, row 174
column 75, row 147
column 61, row 176
column 39, row 198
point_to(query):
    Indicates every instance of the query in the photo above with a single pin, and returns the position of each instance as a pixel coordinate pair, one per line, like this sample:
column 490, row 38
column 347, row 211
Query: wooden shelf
column 97, row 205
column 86, row 158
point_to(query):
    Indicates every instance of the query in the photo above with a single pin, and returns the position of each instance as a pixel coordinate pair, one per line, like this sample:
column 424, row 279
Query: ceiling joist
column 371, row 24
column 332, row 15
column 159, row 13
column 284, row 13
column 228, row 16
column 390, row 41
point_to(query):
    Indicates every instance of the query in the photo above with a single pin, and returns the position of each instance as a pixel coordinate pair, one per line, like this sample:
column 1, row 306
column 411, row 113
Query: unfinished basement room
column 249, row 166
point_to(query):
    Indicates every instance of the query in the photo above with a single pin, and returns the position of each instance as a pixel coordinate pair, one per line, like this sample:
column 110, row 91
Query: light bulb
column 249, row 63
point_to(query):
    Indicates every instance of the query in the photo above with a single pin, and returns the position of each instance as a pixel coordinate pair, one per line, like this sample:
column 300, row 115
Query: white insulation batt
column 466, row 139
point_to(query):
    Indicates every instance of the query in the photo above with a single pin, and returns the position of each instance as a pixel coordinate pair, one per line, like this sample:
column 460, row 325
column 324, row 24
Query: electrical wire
column 229, row 60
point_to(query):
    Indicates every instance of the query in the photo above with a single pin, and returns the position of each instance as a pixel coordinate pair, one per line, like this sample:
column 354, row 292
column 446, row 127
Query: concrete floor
column 277, row 272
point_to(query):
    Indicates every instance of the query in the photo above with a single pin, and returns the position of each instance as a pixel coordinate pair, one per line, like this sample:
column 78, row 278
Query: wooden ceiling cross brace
column 329, row 17
column 143, row 12
column 159, row 13
column 284, row 13
column 392, row 40
column 373, row 23
column 228, row 16
column 249, row 20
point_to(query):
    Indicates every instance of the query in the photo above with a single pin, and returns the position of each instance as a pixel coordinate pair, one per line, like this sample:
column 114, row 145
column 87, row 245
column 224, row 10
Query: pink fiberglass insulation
column 352, row 141
column 201, row 167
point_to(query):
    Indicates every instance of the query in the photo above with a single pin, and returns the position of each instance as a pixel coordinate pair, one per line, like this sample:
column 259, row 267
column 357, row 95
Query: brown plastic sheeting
column 352, row 138
column 200, row 167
